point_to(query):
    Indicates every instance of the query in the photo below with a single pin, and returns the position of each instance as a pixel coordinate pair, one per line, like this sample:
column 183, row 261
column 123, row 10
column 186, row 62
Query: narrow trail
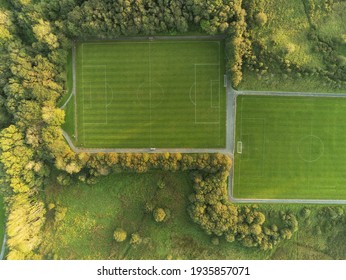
column 3, row 247
column 73, row 91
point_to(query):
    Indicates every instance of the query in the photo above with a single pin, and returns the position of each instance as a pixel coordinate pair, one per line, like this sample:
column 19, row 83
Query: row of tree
column 211, row 209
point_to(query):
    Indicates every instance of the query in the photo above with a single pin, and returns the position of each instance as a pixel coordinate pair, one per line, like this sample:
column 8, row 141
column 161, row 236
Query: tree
column 120, row 235
column 159, row 215
column 44, row 33
column 25, row 221
column 5, row 24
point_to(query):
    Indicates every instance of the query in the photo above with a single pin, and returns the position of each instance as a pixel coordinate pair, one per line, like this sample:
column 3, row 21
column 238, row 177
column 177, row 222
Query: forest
column 35, row 39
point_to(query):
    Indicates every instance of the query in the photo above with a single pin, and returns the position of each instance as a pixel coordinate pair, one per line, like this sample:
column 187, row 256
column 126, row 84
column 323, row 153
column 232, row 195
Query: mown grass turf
column 150, row 94
column 118, row 200
column 293, row 147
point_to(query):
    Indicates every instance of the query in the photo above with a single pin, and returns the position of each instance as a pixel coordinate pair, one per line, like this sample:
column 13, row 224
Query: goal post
column 239, row 147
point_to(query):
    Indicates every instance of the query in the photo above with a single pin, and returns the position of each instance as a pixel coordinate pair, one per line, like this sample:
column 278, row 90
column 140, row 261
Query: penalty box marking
column 250, row 123
column 211, row 93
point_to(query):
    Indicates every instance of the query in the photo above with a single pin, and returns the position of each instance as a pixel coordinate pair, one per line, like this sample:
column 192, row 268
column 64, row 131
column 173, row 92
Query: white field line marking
column 263, row 146
column 241, row 138
column 310, row 154
column 195, row 95
column 234, row 137
column 154, row 42
column 105, row 92
column 150, row 139
column 150, row 93
column 262, row 121
column 112, row 96
column 202, row 64
column 191, row 96
column 207, row 123
column 219, row 60
column 74, row 90
column 83, row 113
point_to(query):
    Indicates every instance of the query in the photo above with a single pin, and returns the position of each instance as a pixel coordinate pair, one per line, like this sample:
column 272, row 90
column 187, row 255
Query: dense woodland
column 35, row 37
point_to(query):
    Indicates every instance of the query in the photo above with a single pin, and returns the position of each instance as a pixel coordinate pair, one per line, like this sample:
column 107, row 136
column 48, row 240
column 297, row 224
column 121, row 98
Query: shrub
column 305, row 213
column 149, row 207
column 159, row 215
column 135, row 239
column 261, row 18
column 120, row 235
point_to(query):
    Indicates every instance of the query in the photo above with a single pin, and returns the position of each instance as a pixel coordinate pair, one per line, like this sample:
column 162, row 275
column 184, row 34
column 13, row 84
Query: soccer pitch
column 290, row 148
column 150, row 94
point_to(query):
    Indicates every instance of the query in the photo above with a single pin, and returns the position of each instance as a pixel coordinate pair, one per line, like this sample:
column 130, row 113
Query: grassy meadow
column 287, row 35
column 321, row 233
column 292, row 147
column 164, row 94
column 119, row 200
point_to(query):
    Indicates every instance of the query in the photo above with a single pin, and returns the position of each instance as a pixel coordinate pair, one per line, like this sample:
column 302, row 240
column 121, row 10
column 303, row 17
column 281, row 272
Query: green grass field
column 143, row 94
column 292, row 147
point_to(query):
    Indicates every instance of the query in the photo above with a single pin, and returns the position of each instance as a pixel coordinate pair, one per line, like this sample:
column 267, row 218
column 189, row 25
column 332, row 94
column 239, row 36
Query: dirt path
column 73, row 91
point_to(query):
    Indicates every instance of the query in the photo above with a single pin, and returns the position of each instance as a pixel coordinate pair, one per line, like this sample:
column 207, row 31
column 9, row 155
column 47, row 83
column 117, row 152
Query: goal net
column 239, row 147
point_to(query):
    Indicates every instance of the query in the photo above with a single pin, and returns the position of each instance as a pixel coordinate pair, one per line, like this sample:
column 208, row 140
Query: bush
column 149, row 207
column 135, row 239
column 120, row 235
column 261, row 19
column 60, row 213
column 305, row 213
column 64, row 179
column 215, row 241
column 161, row 184
column 159, row 215
column 290, row 48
